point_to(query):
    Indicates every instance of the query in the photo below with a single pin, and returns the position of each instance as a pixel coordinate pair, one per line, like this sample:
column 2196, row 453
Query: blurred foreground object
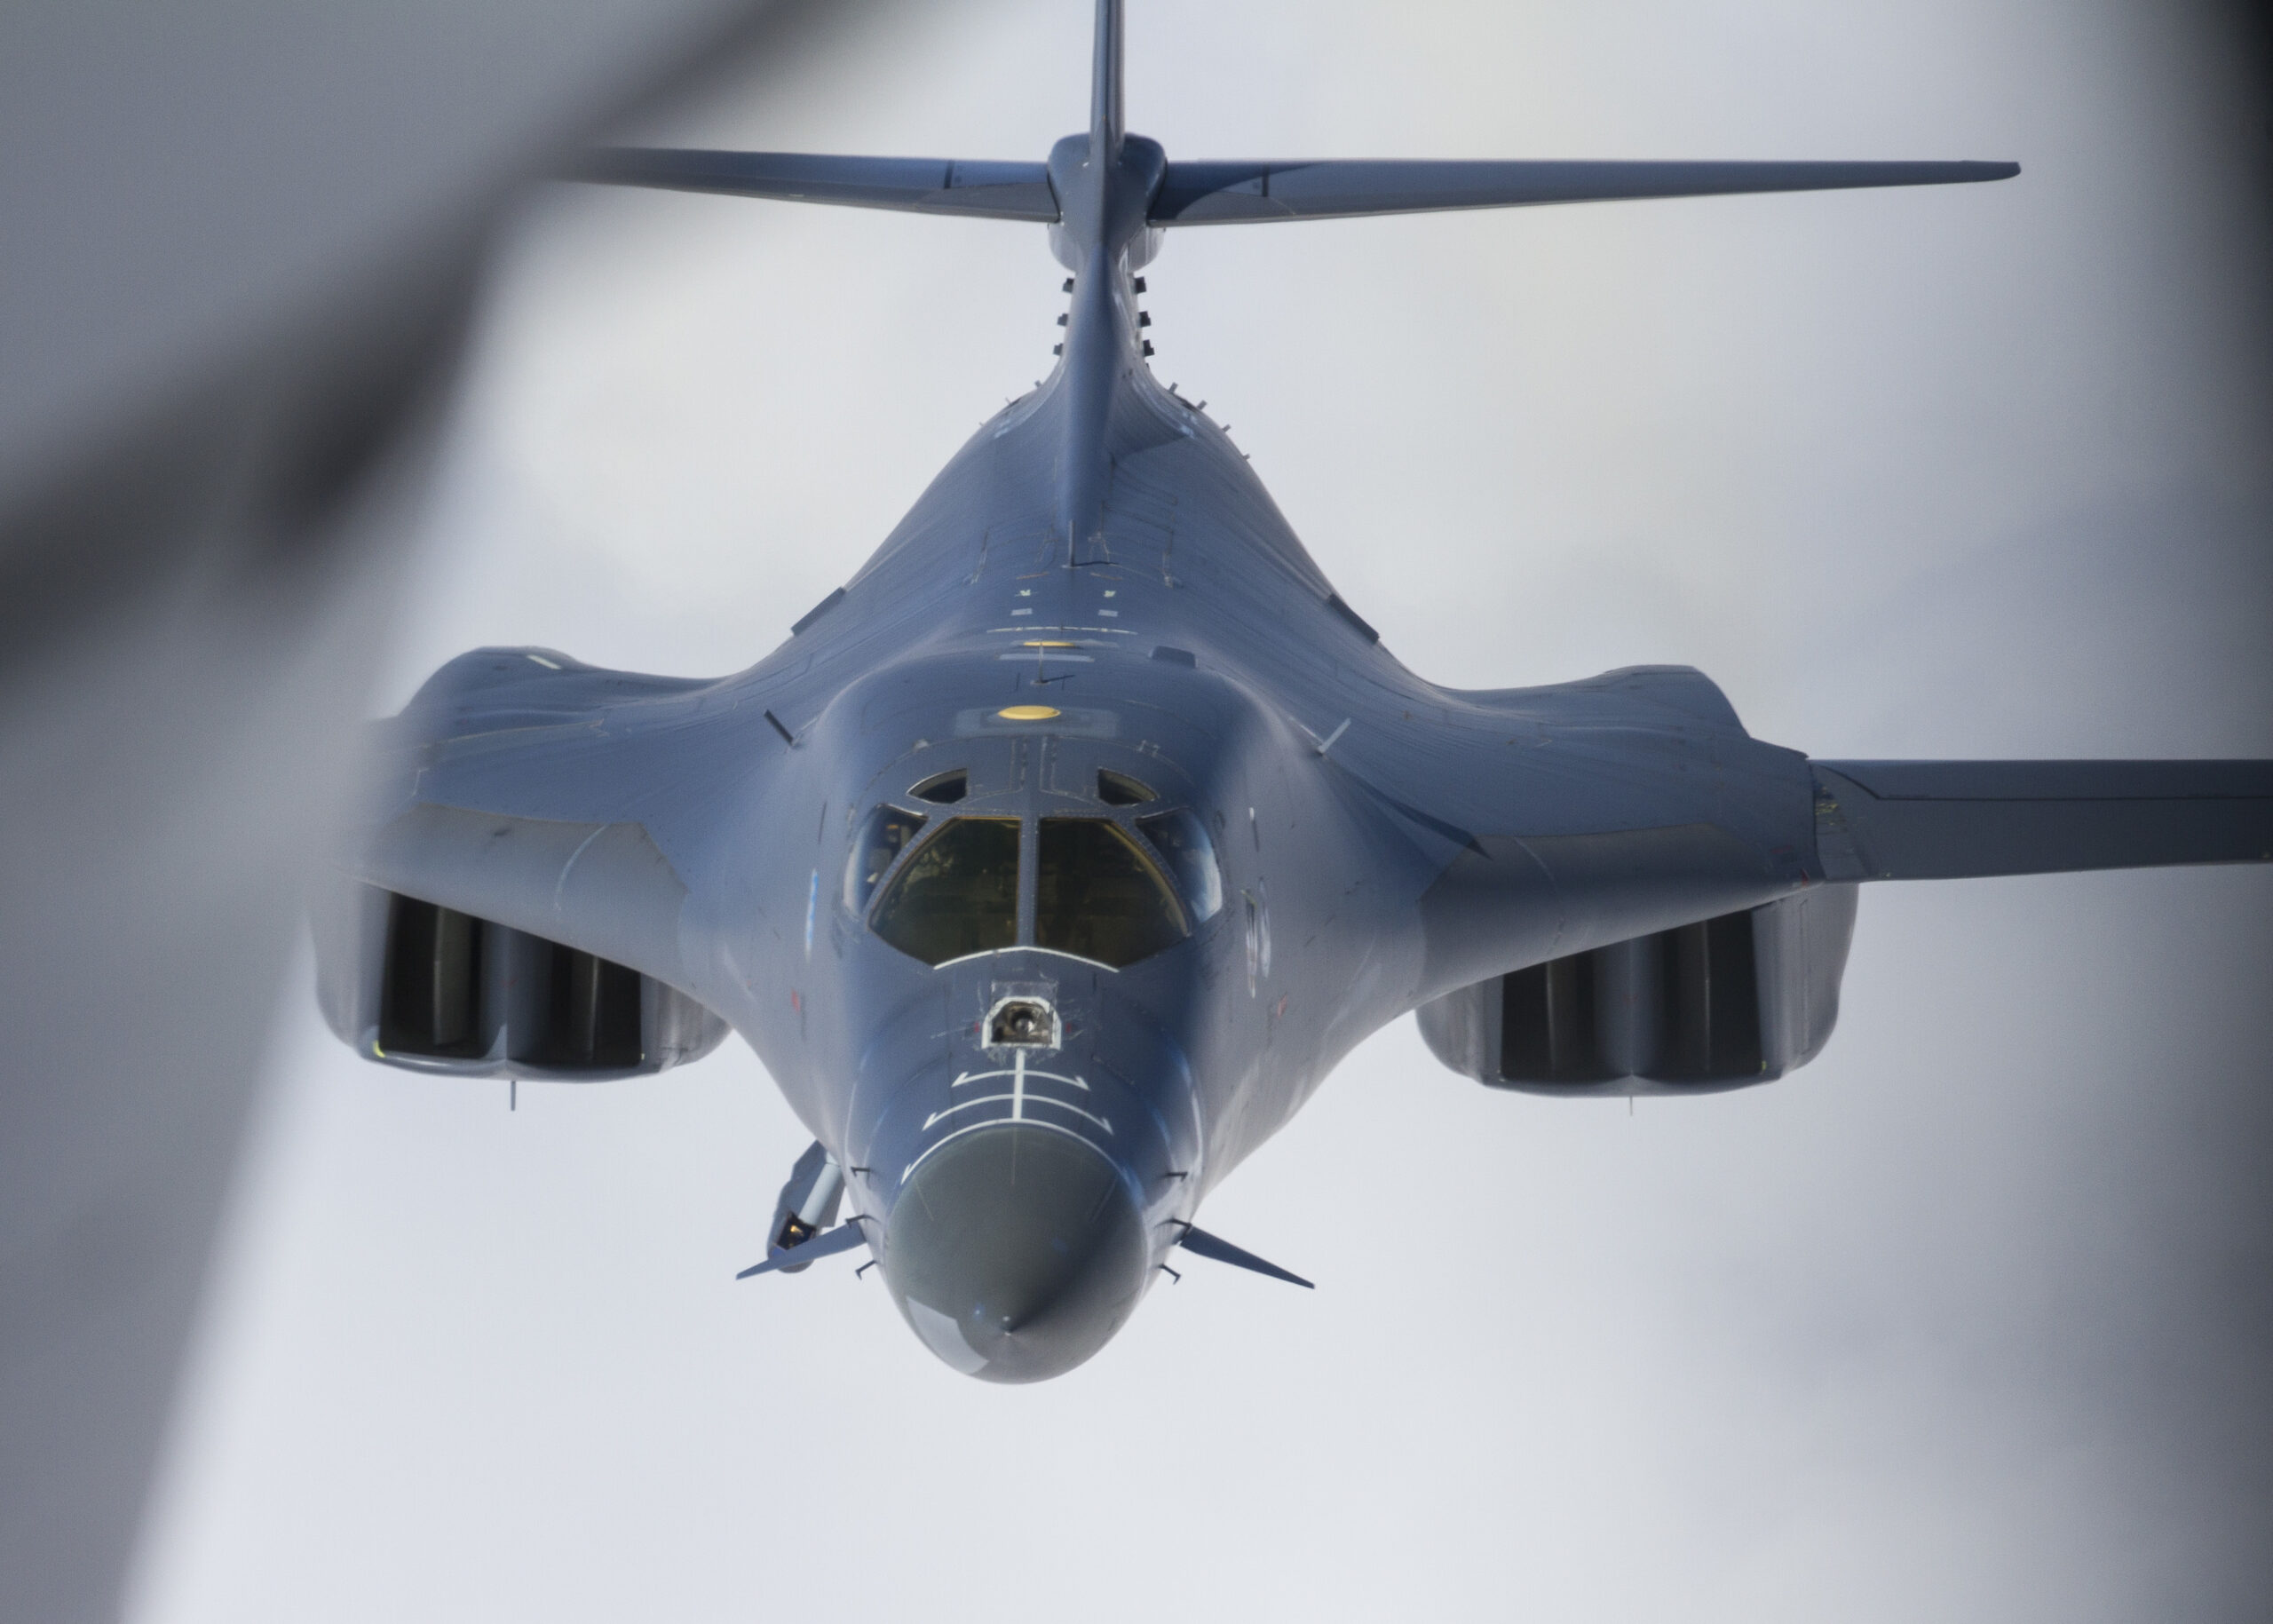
column 241, row 251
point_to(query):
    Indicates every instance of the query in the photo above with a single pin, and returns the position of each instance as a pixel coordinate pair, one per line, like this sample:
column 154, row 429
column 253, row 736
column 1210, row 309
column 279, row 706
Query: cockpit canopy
column 1096, row 888
column 958, row 894
column 1098, row 895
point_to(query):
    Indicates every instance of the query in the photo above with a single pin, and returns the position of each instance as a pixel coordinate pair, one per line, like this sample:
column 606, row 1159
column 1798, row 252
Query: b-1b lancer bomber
column 1057, row 858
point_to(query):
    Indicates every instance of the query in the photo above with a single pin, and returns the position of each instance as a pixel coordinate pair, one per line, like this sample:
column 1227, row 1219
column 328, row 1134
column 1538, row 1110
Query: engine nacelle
column 1741, row 999
column 413, row 985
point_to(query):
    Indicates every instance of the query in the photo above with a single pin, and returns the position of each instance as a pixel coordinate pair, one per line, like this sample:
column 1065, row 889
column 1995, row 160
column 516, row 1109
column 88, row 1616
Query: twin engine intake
column 429, row 988
column 1741, row 999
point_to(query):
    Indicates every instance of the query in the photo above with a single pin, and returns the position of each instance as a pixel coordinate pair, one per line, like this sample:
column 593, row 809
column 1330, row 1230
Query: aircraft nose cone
column 1016, row 1252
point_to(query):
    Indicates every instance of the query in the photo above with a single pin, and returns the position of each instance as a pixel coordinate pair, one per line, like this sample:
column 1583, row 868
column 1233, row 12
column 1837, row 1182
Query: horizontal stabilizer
column 920, row 186
column 1953, row 819
column 844, row 1238
column 1227, row 193
column 1222, row 1251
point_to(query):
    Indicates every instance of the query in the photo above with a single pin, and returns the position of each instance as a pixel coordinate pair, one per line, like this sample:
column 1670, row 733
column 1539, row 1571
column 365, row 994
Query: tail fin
column 1211, row 193
column 1108, row 112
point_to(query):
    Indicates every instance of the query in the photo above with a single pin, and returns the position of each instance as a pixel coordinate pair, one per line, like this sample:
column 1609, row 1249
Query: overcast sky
column 1969, row 1319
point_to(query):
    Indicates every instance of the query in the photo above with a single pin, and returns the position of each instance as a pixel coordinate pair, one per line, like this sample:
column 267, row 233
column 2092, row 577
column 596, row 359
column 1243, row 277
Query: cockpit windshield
column 1101, row 891
column 1181, row 839
column 958, row 894
column 1100, row 896
column 884, row 835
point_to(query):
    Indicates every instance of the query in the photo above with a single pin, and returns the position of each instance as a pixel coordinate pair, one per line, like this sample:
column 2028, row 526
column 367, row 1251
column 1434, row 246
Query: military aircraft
column 1057, row 858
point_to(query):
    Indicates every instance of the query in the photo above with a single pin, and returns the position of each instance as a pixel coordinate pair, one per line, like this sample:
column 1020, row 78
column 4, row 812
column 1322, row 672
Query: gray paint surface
column 1387, row 841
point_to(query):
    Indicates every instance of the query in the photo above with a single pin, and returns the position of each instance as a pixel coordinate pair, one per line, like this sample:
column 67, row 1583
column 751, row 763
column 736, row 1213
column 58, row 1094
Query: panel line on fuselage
column 1117, row 631
column 1017, row 1074
column 1017, row 1108
column 1017, row 1071
column 1035, row 1122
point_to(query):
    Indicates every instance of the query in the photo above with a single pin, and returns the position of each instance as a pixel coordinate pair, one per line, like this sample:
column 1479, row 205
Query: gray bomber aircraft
column 1057, row 858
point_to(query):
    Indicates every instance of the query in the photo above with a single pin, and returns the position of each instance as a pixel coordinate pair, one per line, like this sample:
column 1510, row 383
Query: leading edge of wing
column 522, row 787
column 602, row 888
column 1213, row 194
column 981, row 190
column 1959, row 820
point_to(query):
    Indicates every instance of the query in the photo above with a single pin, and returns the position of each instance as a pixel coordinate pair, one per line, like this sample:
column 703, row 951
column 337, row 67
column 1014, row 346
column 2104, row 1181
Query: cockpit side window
column 1120, row 789
column 958, row 893
column 1100, row 896
column 943, row 789
column 1181, row 839
column 884, row 834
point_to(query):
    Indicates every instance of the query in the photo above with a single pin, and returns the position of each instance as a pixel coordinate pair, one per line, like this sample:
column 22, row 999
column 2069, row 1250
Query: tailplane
column 1225, row 193
column 1236, row 193
column 1107, row 197
column 918, row 186
column 1240, row 193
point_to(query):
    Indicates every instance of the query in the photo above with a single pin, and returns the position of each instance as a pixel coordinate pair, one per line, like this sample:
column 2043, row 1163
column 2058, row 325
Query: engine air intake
column 433, row 989
column 1738, row 998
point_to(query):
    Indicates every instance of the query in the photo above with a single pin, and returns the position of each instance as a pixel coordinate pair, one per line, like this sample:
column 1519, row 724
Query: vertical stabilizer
column 1107, row 195
column 1108, row 114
